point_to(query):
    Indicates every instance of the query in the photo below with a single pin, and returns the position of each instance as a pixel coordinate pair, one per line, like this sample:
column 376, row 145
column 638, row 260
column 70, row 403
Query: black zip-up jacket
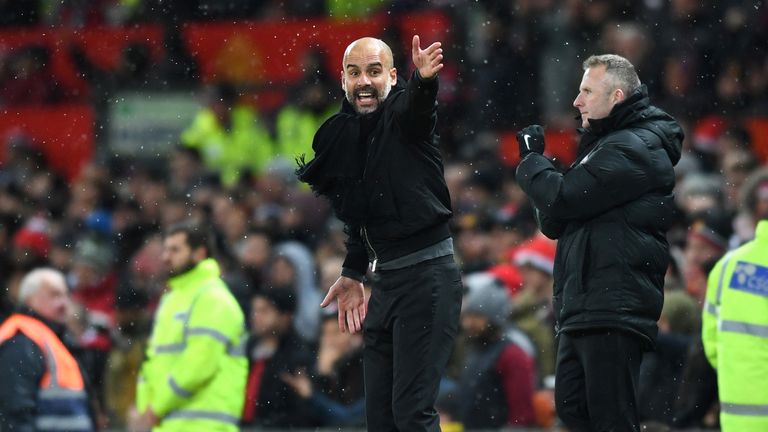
column 610, row 212
column 398, row 202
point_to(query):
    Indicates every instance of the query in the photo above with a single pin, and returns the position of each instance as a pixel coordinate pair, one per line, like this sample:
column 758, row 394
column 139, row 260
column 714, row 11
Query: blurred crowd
column 508, row 64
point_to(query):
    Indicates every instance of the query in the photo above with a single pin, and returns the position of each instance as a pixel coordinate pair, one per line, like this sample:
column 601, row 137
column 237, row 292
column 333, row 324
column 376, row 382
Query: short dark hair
column 283, row 299
column 197, row 236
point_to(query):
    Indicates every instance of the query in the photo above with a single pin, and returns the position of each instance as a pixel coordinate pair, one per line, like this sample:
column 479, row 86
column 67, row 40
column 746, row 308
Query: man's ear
column 199, row 254
column 343, row 82
column 393, row 76
column 618, row 95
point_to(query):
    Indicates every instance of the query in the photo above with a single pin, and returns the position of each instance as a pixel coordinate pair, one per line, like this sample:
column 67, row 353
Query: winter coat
column 195, row 372
column 383, row 174
column 43, row 387
column 610, row 211
column 735, row 333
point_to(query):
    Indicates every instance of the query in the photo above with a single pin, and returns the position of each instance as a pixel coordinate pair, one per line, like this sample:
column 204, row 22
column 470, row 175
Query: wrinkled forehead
column 365, row 53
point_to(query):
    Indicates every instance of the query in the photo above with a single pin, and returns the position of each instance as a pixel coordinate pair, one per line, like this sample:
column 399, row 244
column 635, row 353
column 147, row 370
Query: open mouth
column 366, row 95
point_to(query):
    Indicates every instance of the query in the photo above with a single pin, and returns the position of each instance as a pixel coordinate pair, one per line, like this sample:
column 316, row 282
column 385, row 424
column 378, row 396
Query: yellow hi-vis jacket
column 735, row 334
column 246, row 145
column 195, row 372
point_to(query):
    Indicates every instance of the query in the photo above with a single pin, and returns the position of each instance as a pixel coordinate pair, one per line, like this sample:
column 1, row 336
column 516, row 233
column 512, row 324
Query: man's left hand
column 428, row 61
column 531, row 140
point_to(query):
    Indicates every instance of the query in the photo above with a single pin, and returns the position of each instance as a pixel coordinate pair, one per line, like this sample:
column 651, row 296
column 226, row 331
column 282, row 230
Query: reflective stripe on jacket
column 195, row 373
column 62, row 403
column 735, row 333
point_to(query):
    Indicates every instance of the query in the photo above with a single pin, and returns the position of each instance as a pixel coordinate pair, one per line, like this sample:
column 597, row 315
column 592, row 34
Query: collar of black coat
column 623, row 113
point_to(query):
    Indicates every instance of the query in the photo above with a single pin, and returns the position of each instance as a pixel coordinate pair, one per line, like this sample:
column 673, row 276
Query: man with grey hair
column 610, row 211
column 43, row 388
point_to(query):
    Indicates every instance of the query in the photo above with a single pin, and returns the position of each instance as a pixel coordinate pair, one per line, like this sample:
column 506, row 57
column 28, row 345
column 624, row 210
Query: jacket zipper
column 367, row 154
column 364, row 231
column 370, row 246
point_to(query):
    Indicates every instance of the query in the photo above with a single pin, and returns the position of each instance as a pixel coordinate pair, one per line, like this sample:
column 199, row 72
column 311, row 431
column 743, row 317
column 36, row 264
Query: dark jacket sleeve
column 356, row 262
column 21, row 368
column 418, row 106
column 616, row 173
column 550, row 227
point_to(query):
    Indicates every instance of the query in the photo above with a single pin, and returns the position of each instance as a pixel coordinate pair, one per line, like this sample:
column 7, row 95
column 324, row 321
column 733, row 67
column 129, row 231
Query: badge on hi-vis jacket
column 751, row 278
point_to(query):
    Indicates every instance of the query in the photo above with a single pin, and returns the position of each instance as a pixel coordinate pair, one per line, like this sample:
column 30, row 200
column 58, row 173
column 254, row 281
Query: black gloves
column 531, row 140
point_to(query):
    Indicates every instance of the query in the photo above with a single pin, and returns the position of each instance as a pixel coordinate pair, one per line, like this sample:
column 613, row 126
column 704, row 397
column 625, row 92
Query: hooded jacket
column 383, row 174
column 610, row 212
column 307, row 318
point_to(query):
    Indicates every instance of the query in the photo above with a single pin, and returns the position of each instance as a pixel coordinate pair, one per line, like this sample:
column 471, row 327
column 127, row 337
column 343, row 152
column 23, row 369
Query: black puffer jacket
column 610, row 211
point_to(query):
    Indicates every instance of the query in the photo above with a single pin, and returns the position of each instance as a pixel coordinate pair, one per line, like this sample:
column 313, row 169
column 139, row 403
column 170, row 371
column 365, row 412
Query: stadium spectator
column 532, row 306
column 194, row 374
column 273, row 350
column 232, row 138
column 335, row 389
column 496, row 387
column 43, row 386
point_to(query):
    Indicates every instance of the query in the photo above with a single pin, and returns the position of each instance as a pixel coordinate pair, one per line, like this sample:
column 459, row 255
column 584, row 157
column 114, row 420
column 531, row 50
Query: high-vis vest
column 735, row 334
column 195, row 372
column 62, row 403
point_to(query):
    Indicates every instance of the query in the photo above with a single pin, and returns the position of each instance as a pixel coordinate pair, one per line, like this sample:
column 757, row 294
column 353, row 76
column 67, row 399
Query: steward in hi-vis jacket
column 735, row 333
column 194, row 376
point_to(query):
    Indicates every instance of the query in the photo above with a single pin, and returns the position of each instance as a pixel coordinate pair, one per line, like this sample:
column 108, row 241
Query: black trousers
column 596, row 380
column 409, row 331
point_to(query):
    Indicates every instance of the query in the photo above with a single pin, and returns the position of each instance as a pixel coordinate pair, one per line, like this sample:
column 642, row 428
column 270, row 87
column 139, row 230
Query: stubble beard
column 189, row 265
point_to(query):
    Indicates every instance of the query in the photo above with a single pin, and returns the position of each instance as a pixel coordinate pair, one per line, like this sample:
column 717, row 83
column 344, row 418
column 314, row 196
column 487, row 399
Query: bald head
column 367, row 74
column 368, row 47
